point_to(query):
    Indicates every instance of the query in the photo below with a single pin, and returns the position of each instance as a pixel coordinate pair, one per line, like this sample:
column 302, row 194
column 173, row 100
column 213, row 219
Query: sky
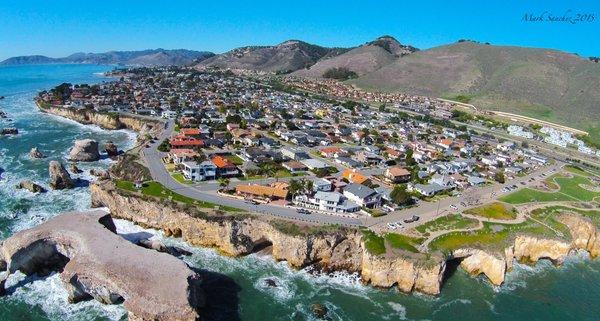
column 58, row 28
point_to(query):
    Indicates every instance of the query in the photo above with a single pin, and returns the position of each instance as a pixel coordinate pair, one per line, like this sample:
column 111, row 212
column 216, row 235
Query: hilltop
column 285, row 57
column 151, row 57
column 541, row 83
column 361, row 60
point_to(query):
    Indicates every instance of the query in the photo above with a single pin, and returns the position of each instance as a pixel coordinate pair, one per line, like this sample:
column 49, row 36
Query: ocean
column 239, row 289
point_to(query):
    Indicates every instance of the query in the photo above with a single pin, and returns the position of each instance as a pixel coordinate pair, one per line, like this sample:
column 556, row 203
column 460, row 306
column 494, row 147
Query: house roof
column 222, row 162
column 354, row 176
column 294, row 165
column 180, row 152
column 329, row 196
column 396, row 171
column 190, row 131
column 360, row 191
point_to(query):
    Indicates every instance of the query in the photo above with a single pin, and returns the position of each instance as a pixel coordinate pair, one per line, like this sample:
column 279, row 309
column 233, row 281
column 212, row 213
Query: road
column 153, row 159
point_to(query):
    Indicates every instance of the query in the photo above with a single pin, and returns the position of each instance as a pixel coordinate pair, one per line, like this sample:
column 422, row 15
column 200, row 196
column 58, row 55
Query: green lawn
column 492, row 235
column 158, row 190
column 576, row 170
column 404, row 242
column 569, row 191
column 236, row 160
column 374, row 243
column 180, row 178
column 448, row 222
column 528, row 195
column 494, row 210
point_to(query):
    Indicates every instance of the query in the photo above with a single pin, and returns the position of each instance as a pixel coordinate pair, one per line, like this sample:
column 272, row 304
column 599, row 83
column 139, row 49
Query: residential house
column 362, row 195
column 225, row 168
column 356, row 177
column 327, row 201
column 397, row 174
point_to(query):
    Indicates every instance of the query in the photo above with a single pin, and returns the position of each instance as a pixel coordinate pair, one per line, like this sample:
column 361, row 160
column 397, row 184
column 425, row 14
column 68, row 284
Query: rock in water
column 9, row 131
column 101, row 174
column 74, row 169
column 95, row 262
column 319, row 310
column 35, row 153
column 31, row 186
column 85, row 150
column 111, row 149
column 59, row 177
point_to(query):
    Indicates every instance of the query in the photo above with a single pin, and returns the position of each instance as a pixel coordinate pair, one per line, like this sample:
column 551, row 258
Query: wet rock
column 85, row 150
column 2, row 289
column 101, row 174
column 30, row 186
column 319, row 310
column 111, row 149
column 59, row 177
column 271, row 283
column 160, row 247
column 35, row 153
column 74, row 169
column 9, row 131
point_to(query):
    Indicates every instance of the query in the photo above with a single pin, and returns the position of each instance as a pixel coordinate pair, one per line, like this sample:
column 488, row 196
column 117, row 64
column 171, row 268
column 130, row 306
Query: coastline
column 334, row 252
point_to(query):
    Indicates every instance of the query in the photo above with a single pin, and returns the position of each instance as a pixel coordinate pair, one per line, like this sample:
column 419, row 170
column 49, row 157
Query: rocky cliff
column 235, row 236
column 109, row 121
column 530, row 249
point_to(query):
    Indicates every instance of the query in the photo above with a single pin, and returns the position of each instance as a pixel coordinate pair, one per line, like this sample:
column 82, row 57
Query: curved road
column 160, row 174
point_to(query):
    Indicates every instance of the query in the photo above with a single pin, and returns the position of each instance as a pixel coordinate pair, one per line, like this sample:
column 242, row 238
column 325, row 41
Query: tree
column 400, row 196
column 294, row 188
column 499, row 177
column 408, row 158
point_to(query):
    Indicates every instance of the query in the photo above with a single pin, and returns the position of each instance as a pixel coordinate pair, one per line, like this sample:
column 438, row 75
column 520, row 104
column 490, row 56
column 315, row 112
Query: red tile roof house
column 185, row 142
column 397, row 174
column 331, row 152
column 190, row 132
column 225, row 168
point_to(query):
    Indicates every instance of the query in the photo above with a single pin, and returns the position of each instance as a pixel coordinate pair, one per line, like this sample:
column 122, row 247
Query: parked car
column 414, row 218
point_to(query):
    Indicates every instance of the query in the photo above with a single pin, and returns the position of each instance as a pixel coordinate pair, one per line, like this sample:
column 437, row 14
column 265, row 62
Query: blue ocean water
column 543, row 292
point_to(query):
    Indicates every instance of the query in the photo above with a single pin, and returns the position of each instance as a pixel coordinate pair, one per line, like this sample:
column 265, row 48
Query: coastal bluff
column 96, row 263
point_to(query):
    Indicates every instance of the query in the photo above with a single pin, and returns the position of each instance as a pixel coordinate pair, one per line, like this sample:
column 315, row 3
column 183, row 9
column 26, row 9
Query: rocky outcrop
column 338, row 250
column 84, row 150
column 101, row 174
column 35, row 153
column 477, row 262
column 105, row 120
column 111, row 149
column 59, row 177
column 9, row 131
column 585, row 234
column 31, row 186
column 528, row 249
column 74, row 169
column 97, row 263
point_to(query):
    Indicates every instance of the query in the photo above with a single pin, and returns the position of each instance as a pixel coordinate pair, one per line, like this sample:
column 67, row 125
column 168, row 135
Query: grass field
column 158, row 190
column 528, row 195
column 374, row 243
column 448, row 222
column 404, row 242
column 577, row 170
column 491, row 236
column 494, row 210
column 236, row 160
column 570, row 186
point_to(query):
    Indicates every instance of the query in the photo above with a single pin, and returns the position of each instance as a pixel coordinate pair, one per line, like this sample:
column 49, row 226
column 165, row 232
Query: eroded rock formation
column 84, row 150
column 59, row 177
column 97, row 263
column 35, row 153
column 31, row 186
column 111, row 149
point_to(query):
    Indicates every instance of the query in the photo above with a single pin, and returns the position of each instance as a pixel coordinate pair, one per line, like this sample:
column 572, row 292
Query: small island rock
column 111, row 149
column 59, row 177
column 9, row 131
column 31, row 186
column 35, row 153
column 85, row 150
column 74, row 169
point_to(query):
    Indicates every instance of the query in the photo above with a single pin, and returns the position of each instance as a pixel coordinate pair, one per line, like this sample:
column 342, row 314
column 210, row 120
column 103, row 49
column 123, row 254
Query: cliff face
column 341, row 250
column 106, row 121
column 529, row 249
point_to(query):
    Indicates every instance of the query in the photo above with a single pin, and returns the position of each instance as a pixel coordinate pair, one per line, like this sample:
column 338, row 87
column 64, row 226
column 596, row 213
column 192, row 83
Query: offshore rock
column 31, row 186
column 9, row 131
column 74, row 169
column 97, row 263
column 85, row 150
column 35, row 153
column 59, row 177
column 101, row 174
column 111, row 149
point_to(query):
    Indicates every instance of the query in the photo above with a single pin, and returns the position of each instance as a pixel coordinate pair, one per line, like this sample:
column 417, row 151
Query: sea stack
column 35, row 153
column 59, row 177
column 85, row 150
column 9, row 131
column 111, row 149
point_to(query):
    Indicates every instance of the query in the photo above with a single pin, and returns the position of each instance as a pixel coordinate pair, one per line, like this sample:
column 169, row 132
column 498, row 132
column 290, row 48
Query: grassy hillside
column 541, row 83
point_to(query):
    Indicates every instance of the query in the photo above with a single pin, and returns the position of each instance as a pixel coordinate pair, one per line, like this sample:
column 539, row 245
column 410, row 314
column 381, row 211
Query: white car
column 454, row 207
column 391, row 226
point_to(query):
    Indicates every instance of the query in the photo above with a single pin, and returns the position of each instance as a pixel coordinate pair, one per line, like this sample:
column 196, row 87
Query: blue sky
column 58, row 28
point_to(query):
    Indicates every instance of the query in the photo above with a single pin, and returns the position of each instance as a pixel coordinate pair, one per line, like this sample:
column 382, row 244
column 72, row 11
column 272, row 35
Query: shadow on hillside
column 221, row 295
